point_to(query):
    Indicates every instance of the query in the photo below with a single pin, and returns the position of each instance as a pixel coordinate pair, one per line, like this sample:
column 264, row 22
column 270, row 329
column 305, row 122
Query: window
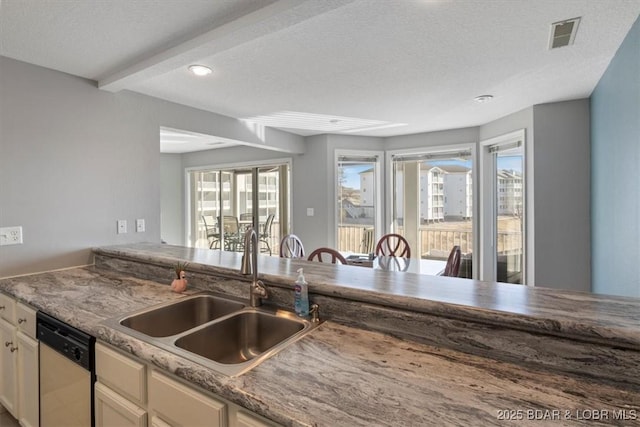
column 358, row 200
column 504, row 250
column 432, row 201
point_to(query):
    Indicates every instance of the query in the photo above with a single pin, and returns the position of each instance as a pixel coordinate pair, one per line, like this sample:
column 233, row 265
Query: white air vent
column 563, row 33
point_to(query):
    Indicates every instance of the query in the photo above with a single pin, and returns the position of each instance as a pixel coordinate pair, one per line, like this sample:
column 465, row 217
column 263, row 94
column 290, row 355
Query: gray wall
column 74, row 159
column 615, row 156
column 311, row 186
column 562, row 195
column 172, row 199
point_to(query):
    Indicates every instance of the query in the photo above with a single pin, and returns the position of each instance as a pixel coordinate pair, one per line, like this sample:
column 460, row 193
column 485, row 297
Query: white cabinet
column 129, row 392
column 120, row 392
column 113, row 410
column 28, row 357
column 245, row 419
column 182, row 406
column 9, row 366
column 19, row 392
column 28, row 393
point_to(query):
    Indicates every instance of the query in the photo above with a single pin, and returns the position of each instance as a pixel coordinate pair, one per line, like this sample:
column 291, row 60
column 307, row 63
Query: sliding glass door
column 223, row 205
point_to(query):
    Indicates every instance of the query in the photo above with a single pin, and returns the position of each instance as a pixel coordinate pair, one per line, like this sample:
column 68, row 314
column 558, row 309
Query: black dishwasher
column 67, row 374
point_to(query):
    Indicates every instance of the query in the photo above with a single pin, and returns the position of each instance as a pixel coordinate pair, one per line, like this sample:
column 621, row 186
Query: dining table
column 433, row 267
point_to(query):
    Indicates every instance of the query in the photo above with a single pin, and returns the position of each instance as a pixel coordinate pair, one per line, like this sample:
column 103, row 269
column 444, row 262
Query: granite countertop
column 337, row 375
column 576, row 315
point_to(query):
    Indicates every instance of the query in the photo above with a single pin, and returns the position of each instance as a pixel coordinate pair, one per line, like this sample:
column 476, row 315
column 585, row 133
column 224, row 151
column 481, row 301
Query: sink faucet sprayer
column 250, row 266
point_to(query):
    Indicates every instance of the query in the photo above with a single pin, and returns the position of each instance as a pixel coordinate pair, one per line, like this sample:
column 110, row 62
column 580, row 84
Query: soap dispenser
column 301, row 292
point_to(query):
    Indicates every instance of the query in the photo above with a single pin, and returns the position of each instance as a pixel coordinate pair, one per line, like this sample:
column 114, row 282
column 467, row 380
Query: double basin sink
column 219, row 332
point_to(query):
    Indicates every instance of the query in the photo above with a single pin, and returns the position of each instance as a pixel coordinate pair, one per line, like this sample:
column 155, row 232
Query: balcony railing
column 435, row 242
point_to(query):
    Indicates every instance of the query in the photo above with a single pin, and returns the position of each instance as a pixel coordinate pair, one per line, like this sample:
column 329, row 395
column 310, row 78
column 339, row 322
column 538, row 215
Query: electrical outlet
column 122, row 226
column 10, row 236
column 140, row 226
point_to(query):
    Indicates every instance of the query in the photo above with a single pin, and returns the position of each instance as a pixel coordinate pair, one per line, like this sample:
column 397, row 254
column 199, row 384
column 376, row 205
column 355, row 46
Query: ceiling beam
column 267, row 20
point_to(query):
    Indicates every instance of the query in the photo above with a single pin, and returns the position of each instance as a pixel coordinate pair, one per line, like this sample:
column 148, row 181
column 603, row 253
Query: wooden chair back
column 393, row 245
column 453, row 263
column 327, row 255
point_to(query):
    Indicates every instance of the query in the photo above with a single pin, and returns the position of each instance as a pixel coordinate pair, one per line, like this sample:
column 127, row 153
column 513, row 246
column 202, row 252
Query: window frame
column 488, row 228
column 224, row 167
column 436, row 149
column 380, row 189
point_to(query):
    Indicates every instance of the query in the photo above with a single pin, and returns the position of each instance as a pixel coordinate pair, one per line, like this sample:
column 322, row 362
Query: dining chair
column 212, row 234
column 323, row 255
column 453, row 263
column 393, row 245
column 291, row 247
column 266, row 231
column 232, row 238
column 367, row 243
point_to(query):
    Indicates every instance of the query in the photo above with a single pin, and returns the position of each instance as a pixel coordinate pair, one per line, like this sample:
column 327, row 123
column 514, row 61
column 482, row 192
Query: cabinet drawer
column 8, row 308
column 120, row 373
column 244, row 419
column 26, row 319
column 112, row 410
column 180, row 405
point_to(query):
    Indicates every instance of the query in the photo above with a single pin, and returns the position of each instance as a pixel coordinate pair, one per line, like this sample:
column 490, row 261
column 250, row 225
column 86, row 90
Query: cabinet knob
column 12, row 349
column 7, row 343
column 21, row 321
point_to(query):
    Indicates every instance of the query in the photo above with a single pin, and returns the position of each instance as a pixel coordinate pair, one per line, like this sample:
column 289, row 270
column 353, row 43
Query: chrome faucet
column 257, row 289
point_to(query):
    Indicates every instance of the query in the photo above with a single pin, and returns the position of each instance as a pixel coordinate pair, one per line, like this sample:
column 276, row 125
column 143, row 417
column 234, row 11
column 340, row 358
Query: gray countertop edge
column 602, row 319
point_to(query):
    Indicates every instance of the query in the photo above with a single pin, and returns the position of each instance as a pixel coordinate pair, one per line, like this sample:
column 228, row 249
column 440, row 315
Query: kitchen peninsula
column 395, row 349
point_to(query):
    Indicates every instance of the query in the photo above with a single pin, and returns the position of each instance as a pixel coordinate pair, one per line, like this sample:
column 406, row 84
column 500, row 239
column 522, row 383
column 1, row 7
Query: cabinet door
column 180, row 405
column 121, row 374
column 7, row 308
column 26, row 320
column 113, row 410
column 28, row 395
column 9, row 366
column 157, row 422
column 244, row 419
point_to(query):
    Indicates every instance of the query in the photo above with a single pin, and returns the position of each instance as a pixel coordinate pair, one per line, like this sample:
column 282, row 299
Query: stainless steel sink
column 216, row 331
column 241, row 337
column 180, row 316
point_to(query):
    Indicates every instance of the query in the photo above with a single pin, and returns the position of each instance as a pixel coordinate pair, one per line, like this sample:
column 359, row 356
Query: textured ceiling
column 414, row 65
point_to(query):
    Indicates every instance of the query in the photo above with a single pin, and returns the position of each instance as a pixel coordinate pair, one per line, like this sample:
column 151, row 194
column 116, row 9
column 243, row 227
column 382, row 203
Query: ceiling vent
column 563, row 33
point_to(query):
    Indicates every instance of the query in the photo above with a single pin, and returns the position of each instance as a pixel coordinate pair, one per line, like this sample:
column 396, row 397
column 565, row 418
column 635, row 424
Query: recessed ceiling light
column 483, row 98
column 200, row 70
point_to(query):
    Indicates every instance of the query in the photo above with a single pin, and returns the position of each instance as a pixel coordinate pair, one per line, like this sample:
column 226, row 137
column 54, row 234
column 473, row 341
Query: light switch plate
column 10, row 236
column 122, row 226
column 310, row 212
column 140, row 227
